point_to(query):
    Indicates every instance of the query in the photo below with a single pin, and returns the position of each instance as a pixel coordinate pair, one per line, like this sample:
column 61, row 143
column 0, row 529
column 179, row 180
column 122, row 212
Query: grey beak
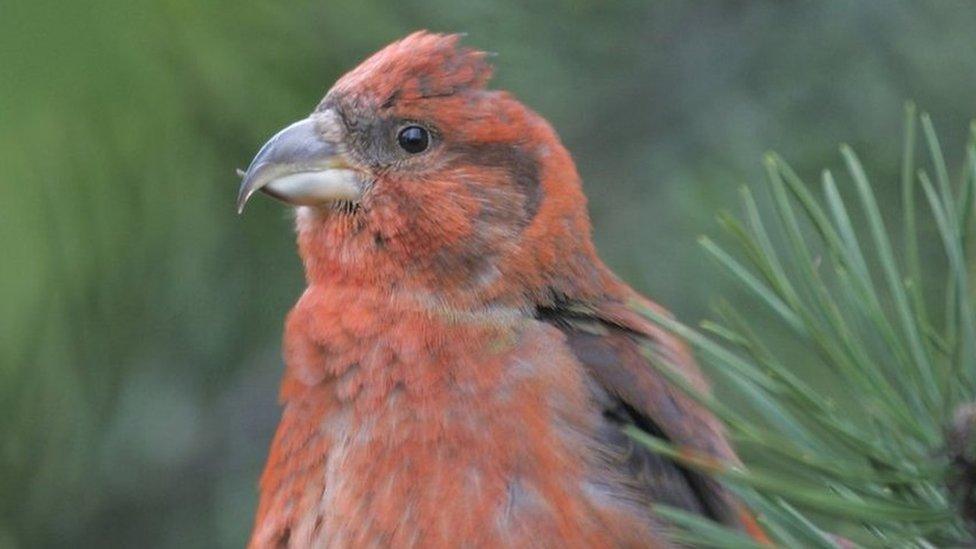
column 300, row 168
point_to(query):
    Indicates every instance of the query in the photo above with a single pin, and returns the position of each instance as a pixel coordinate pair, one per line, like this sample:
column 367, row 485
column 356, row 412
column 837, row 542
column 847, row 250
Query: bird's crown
column 422, row 65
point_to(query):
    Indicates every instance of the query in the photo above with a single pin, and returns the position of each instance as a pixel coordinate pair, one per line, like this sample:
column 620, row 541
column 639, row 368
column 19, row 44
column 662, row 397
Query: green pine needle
column 872, row 467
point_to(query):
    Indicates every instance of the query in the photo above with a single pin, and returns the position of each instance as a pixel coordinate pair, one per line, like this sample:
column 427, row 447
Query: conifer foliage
column 887, row 459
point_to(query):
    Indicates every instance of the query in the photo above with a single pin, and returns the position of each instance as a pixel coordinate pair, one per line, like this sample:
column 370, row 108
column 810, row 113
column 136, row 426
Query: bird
column 462, row 368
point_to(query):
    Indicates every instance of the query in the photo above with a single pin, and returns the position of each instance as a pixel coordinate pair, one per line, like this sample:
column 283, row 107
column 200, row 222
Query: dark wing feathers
column 610, row 339
column 652, row 478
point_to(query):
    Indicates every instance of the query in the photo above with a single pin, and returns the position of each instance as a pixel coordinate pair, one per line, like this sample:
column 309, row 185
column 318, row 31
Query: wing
column 607, row 338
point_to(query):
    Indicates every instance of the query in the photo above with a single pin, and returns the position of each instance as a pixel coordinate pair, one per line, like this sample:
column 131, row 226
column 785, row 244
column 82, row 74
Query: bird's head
column 411, row 175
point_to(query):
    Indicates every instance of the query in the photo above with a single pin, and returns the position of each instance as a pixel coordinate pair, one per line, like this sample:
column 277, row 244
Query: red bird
column 462, row 362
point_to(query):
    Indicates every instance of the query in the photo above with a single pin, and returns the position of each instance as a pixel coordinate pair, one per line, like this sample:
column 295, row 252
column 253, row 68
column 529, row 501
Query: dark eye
column 413, row 139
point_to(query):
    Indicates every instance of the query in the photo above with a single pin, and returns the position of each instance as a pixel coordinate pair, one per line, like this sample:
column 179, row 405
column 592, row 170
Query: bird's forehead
column 419, row 66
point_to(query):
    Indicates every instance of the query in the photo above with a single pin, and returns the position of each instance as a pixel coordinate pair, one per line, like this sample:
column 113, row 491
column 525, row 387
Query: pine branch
column 889, row 458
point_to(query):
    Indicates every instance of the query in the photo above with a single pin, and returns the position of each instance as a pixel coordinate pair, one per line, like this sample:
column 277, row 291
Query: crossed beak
column 298, row 166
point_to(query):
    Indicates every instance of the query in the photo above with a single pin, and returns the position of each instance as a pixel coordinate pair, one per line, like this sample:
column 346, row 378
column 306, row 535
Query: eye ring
column 413, row 139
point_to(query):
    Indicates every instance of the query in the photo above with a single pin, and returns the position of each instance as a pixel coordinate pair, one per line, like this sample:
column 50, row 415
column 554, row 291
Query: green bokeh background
column 141, row 317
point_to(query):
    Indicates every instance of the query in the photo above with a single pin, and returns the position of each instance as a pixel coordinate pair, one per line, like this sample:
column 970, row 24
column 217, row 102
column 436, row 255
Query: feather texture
column 460, row 367
column 611, row 340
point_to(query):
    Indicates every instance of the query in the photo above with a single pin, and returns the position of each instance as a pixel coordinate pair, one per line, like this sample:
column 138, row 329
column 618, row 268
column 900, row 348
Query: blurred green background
column 141, row 317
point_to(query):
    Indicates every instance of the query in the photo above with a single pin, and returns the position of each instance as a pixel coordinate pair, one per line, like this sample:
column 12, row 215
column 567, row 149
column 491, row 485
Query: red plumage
column 461, row 363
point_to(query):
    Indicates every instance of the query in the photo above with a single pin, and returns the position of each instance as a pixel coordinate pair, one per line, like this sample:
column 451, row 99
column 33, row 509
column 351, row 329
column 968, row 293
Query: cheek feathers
column 511, row 177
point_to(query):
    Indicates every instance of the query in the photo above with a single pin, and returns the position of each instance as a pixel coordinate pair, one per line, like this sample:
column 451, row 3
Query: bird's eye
column 413, row 139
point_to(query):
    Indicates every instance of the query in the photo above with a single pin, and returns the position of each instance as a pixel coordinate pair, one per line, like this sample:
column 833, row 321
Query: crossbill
column 461, row 364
